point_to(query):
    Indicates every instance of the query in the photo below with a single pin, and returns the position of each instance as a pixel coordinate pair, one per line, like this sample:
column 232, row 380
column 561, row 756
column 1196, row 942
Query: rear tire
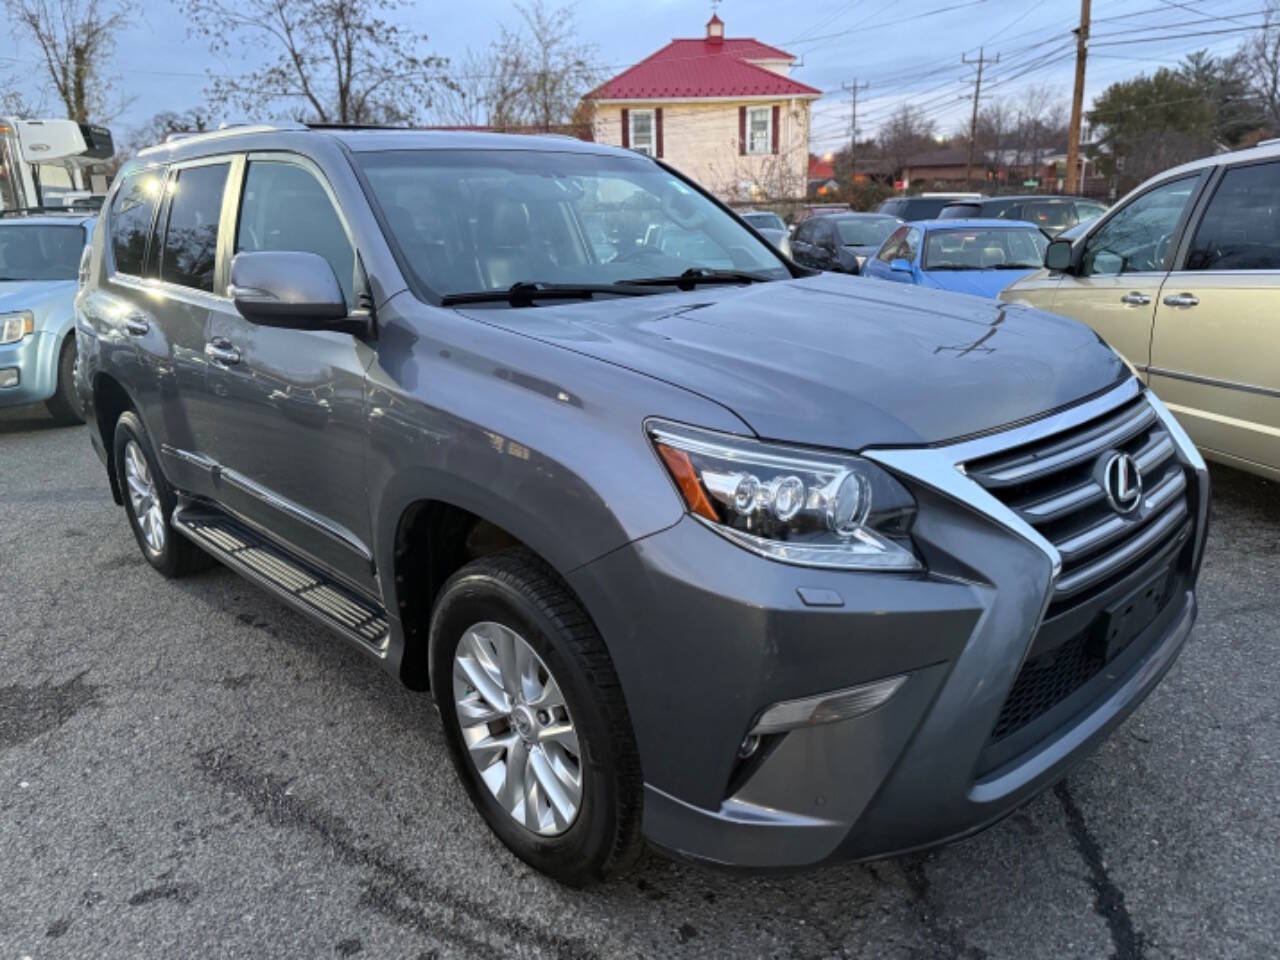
column 149, row 502
column 589, row 771
column 65, row 406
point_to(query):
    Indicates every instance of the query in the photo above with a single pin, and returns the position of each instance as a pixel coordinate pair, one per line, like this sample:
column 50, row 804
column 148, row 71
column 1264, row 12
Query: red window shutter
column 657, row 130
column 742, row 131
column 773, row 147
column 626, row 127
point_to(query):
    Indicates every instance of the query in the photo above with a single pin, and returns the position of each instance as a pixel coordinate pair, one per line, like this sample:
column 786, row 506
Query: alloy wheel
column 517, row 728
column 143, row 497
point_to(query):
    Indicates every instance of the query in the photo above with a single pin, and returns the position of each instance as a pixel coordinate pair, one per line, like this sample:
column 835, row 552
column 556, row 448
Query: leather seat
column 506, row 250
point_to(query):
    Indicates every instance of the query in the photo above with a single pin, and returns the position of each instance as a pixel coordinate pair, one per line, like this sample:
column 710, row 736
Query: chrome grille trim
column 1098, row 571
column 1115, row 526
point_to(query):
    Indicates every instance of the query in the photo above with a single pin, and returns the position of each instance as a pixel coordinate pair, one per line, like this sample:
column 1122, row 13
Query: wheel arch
column 110, row 399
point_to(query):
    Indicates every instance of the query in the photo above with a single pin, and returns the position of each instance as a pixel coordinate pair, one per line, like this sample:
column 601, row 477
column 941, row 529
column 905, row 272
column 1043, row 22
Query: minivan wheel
column 535, row 719
column 149, row 502
column 65, row 406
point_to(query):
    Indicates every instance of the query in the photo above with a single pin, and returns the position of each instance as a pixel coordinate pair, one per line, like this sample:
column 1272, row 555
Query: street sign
column 1031, row 183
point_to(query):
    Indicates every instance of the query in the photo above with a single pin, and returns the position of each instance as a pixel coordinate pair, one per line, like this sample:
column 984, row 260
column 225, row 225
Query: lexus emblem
column 1123, row 482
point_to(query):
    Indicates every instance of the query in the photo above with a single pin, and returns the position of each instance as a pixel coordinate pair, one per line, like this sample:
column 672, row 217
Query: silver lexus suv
column 690, row 544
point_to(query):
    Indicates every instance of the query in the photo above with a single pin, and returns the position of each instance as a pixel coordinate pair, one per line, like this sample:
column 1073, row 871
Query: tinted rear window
column 191, row 239
column 131, row 212
column 922, row 208
column 959, row 211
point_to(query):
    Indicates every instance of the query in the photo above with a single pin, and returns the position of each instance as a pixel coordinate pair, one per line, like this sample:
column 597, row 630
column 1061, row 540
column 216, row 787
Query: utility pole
column 853, row 89
column 1077, row 101
column 973, row 122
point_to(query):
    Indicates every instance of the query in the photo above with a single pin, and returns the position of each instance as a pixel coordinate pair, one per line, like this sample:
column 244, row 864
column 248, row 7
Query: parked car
column 816, row 210
column 925, row 206
column 1052, row 213
column 770, row 226
column 841, row 243
column 766, row 566
column 1182, row 277
column 980, row 257
column 39, row 259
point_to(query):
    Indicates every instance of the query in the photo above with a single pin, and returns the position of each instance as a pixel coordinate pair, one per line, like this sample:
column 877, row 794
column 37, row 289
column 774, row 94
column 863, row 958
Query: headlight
column 813, row 509
column 15, row 326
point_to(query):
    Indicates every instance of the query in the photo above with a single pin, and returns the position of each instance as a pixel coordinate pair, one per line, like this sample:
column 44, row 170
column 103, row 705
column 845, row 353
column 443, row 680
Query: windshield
column 995, row 248
column 865, row 231
column 764, row 221
column 479, row 220
column 40, row 253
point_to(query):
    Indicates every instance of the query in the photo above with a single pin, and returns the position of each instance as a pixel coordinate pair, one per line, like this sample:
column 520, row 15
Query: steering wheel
column 637, row 253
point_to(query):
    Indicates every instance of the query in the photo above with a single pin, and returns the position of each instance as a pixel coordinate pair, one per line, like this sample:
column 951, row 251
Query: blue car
column 978, row 257
column 39, row 265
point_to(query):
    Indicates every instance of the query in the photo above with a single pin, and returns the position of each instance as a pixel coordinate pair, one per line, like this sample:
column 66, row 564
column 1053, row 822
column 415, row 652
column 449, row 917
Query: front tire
column 149, row 502
column 65, row 406
column 535, row 719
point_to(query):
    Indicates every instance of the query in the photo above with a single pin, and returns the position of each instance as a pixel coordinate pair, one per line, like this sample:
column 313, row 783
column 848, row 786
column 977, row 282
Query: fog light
column 827, row 707
column 750, row 744
column 9, row 377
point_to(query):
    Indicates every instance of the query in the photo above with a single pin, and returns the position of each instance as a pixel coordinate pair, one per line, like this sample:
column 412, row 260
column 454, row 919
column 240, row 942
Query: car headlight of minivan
column 15, row 326
column 814, row 509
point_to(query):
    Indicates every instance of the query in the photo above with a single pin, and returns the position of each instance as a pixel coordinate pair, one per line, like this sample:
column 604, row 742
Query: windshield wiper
column 696, row 275
column 523, row 294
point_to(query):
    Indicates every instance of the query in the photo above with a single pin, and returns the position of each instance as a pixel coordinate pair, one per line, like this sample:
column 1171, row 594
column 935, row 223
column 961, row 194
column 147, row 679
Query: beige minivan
column 1182, row 277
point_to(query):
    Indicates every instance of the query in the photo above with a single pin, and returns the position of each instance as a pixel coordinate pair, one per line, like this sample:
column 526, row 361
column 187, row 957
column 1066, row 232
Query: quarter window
column 1139, row 237
column 286, row 208
column 641, row 133
column 1241, row 229
column 191, row 233
column 759, row 124
column 889, row 251
column 132, row 210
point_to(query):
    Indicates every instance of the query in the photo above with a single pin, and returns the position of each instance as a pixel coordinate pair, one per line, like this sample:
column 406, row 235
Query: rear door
column 1215, row 355
column 1123, row 265
column 290, row 436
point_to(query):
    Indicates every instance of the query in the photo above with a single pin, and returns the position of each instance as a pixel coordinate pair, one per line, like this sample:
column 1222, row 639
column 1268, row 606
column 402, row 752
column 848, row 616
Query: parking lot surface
column 189, row 769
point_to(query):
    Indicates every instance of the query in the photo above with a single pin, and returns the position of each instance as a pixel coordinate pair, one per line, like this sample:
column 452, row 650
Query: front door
column 1215, row 357
column 1123, row 265
column 290, row 441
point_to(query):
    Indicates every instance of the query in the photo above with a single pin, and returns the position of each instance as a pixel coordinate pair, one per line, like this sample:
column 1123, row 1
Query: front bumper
column 704, row 636
column 35, row 357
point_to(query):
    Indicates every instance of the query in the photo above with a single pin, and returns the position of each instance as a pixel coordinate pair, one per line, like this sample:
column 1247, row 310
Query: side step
column 293, row 581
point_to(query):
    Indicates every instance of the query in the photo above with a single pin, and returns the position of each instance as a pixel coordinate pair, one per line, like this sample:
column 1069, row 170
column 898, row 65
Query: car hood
column 41, row 297
column 837, row 361
column 980, row 283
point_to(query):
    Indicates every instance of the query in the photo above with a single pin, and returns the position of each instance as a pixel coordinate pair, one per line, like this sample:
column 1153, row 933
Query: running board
column 296, row 583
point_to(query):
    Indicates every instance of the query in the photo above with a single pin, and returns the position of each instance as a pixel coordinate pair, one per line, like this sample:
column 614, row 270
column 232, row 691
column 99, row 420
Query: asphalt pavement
column 190, row 770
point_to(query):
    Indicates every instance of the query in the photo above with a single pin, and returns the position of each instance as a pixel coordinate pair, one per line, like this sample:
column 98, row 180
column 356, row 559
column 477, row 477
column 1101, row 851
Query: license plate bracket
column 1121, row 622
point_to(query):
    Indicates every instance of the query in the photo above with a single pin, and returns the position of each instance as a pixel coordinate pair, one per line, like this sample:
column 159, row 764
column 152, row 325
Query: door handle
column 136, row 326
column 221, row 351
column 1136, row 299
column 1181, row 300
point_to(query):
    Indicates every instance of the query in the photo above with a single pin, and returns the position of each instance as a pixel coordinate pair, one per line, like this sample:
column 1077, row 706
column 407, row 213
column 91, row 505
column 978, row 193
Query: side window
column 889, row 250
column 131, row 214
column 285, row 208
column 1240, row 229
column 826, row 235
column 1140, row 236
column 191, row 232
column 1051, row 215
column 804, row 232
column 911, row 245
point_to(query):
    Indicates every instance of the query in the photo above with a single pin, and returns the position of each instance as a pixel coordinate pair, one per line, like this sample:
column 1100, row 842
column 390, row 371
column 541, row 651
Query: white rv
column 52, row 163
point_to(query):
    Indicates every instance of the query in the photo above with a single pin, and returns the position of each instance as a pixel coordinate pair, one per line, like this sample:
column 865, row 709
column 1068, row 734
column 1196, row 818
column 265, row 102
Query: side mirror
column 278, row 288
column 898, row 265
column 1057, row 256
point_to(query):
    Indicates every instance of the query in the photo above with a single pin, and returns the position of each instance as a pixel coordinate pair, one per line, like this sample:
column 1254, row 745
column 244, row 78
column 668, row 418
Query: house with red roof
column 722, row 110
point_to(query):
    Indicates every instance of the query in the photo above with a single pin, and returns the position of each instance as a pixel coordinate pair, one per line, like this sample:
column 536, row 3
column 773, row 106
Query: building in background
column 722, row 110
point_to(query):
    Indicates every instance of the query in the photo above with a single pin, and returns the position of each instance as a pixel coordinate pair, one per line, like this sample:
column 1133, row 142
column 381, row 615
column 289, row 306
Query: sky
column 904, row 50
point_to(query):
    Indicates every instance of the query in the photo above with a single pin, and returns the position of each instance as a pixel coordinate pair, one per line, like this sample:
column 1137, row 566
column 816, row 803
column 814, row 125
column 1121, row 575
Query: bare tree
column 532, row 76
column 76, row 39
column 1261, row 56
column 160, row 126
column 334, row 61
column 906, row 132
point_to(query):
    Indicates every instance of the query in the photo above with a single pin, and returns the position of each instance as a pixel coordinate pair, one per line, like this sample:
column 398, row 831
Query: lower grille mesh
column 1045, row 682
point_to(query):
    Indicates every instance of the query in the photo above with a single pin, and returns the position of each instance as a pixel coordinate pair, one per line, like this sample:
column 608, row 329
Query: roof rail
column 226, row 130
column 1270, row 142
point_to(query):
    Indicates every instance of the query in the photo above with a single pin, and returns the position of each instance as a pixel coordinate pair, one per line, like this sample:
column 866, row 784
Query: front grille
column 1057, row 485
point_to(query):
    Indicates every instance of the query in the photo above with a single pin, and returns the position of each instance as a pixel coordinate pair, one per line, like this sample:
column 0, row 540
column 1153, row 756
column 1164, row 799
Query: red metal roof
column 704, row 67
column 819, row 169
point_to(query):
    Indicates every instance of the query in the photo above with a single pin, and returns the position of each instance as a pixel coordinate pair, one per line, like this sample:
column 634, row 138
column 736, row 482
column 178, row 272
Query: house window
column 759, row 132
column 641, row 132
